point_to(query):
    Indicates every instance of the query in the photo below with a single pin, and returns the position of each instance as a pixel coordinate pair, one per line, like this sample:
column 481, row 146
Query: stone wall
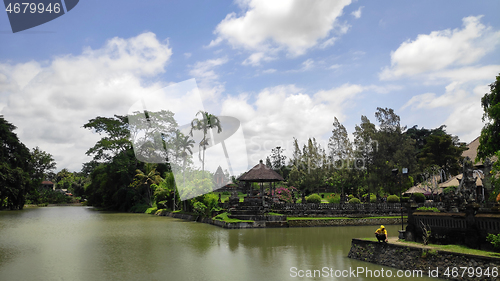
column 343, row 222
column 419, row 258
column 322, row 209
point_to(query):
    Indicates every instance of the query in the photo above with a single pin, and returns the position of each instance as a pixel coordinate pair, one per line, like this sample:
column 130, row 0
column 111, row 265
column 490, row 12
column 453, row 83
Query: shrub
column 313, row 198
column 150, row 211
column 494, row 240
column 405, row 199
column 200, row 208
column 392, row 199
column 449, row 189
column 373, row 198
column 139, row 208
column 354, row 201
column 333, row 198
column 419, row 197
column 211, row 201
column 428, row 209
column 285, row 193
column 226, row 193
column 351, row 196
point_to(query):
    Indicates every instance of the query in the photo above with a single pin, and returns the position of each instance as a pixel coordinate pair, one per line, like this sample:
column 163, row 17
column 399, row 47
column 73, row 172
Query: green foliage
column 489, row 141
column 139, row 208
column 419, row 197
column 333, row 198
column 405, row 199
column 15, row 168
column 354, row 201
column 428, row 209
column 449, row 189
column 313, row 198
column 152, row 210
column 200, row 208
column 211, row 201
column 350, row 196
column 392, row 199
column 494, row 240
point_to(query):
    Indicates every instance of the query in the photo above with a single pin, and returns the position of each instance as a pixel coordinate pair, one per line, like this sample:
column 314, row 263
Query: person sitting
column 381, row 234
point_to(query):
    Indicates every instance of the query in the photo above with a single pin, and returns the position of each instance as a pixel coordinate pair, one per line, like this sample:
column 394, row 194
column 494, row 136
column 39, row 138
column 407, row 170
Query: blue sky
column 284, row 68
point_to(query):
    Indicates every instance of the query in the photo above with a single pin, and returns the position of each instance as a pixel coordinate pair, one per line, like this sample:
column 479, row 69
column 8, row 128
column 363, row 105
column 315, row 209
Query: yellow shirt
column 382, row 231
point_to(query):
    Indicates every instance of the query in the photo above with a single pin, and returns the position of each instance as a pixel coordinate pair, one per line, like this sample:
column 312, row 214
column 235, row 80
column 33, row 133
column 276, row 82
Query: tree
column 15, row 168
column 339, row 144
column 207, row 121
column 443, row 151
column 489, row 141
column 43, row 163
column 145, row 180
column 395, row 150
column 116, row 140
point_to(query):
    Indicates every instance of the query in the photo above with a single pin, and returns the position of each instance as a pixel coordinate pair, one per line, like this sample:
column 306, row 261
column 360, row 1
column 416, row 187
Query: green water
column 79, row 243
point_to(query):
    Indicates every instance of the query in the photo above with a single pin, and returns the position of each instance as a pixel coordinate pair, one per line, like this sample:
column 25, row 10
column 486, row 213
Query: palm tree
column 207, row 122
column 183, row 144
column 147, row 178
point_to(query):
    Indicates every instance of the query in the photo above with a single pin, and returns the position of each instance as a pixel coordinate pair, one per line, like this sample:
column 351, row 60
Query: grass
column 225, row 218
column 450, row 248
column 274, row 214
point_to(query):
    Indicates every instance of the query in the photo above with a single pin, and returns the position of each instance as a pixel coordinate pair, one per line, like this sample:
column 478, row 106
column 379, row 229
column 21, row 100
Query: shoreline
column 313, row 222
column 432, row 262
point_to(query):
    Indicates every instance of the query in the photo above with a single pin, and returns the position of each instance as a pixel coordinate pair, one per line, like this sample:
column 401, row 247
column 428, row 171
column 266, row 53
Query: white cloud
column 255, row 59
column 268, row 71
column 442, row 49
column 357, row 14
column 204, row 70
column 292, row 25
column 187, row 55
column 281, row 113
column 49, row 103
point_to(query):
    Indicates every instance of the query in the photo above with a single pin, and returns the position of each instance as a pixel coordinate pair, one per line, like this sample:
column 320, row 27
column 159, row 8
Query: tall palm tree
column 147, row 178
column 184, row 147
column 208, row 121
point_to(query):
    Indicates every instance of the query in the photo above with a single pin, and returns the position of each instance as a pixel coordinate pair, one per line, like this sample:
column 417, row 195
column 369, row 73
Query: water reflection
column 75, row 243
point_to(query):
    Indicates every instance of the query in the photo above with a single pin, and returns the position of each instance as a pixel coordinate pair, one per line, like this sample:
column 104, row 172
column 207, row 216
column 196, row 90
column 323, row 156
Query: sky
column 284, row 69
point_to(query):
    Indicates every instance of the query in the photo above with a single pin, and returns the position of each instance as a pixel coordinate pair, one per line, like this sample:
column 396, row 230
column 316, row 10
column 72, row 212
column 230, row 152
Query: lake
column 80, row 243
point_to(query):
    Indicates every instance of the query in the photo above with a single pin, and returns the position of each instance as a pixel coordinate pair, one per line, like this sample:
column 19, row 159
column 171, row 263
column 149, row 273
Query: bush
column 449, row 189
column 226, row 193
column 211, row 201
column 428, row 209
column 405, row 199
column 313, row 198
column 494, row 240
column 392, row 199
column 150, row 211
column 354, row 201
column 351, row 196
column 333, row 198
column 139, row 208
column 419, row 197
column 200, row 208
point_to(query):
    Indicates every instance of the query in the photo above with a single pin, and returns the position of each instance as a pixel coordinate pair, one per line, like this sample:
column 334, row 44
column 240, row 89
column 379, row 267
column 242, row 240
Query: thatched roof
column 471, row 152
column 423, row 189
column 454, row 181
column 261, row 173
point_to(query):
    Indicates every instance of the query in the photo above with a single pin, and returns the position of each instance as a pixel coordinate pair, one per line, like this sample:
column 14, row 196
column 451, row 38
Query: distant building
column 47, row 185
